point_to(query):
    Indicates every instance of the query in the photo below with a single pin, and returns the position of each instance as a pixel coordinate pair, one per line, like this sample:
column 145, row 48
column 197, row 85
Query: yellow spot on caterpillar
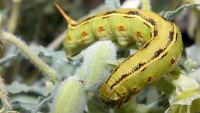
column 83, row 35
column 100, row 29
column 121, row 28
column 138, row 34
column 68, row 39
column 149, row 79
column 172, row 61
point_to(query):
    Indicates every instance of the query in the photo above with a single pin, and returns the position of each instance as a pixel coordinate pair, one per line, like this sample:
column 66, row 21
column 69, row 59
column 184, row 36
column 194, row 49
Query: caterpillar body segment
column 141, row 69
column 161, row 40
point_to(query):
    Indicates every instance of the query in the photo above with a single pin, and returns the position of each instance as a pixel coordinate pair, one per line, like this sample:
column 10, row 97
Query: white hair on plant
column 94, row 68
column 70, row 97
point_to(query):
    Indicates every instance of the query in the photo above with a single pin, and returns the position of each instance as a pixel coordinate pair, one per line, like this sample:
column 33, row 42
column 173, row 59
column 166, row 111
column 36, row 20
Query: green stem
column 6, row 59
column 146, row 5
column 46, row 70
column 170, row 14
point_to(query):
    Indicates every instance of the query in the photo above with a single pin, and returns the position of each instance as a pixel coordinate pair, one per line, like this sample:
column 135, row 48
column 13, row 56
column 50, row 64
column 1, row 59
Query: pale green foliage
column 190, row 53
column 70, row 97
column 94, row 69
column 16, row 88
column 112, row 4
column 182, row 91
column 58, row 57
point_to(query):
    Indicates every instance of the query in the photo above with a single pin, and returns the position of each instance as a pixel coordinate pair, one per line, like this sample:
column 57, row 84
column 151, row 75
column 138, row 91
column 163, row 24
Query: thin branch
column 46, row 70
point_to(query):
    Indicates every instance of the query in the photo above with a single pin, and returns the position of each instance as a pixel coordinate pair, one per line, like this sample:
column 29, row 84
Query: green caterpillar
column 161, row 48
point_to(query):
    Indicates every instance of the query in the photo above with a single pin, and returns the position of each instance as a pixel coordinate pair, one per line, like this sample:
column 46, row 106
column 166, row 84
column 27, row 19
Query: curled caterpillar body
column 162, row 47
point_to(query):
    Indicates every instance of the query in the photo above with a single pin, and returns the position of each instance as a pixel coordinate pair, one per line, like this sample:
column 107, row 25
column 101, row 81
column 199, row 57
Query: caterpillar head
column 111, row 98
column 74, row 43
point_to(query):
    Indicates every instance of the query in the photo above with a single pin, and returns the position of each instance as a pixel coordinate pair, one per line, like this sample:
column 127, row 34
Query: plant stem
column 146, row 5
column 14, row 15
column 3, row 96
column 46, row 70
